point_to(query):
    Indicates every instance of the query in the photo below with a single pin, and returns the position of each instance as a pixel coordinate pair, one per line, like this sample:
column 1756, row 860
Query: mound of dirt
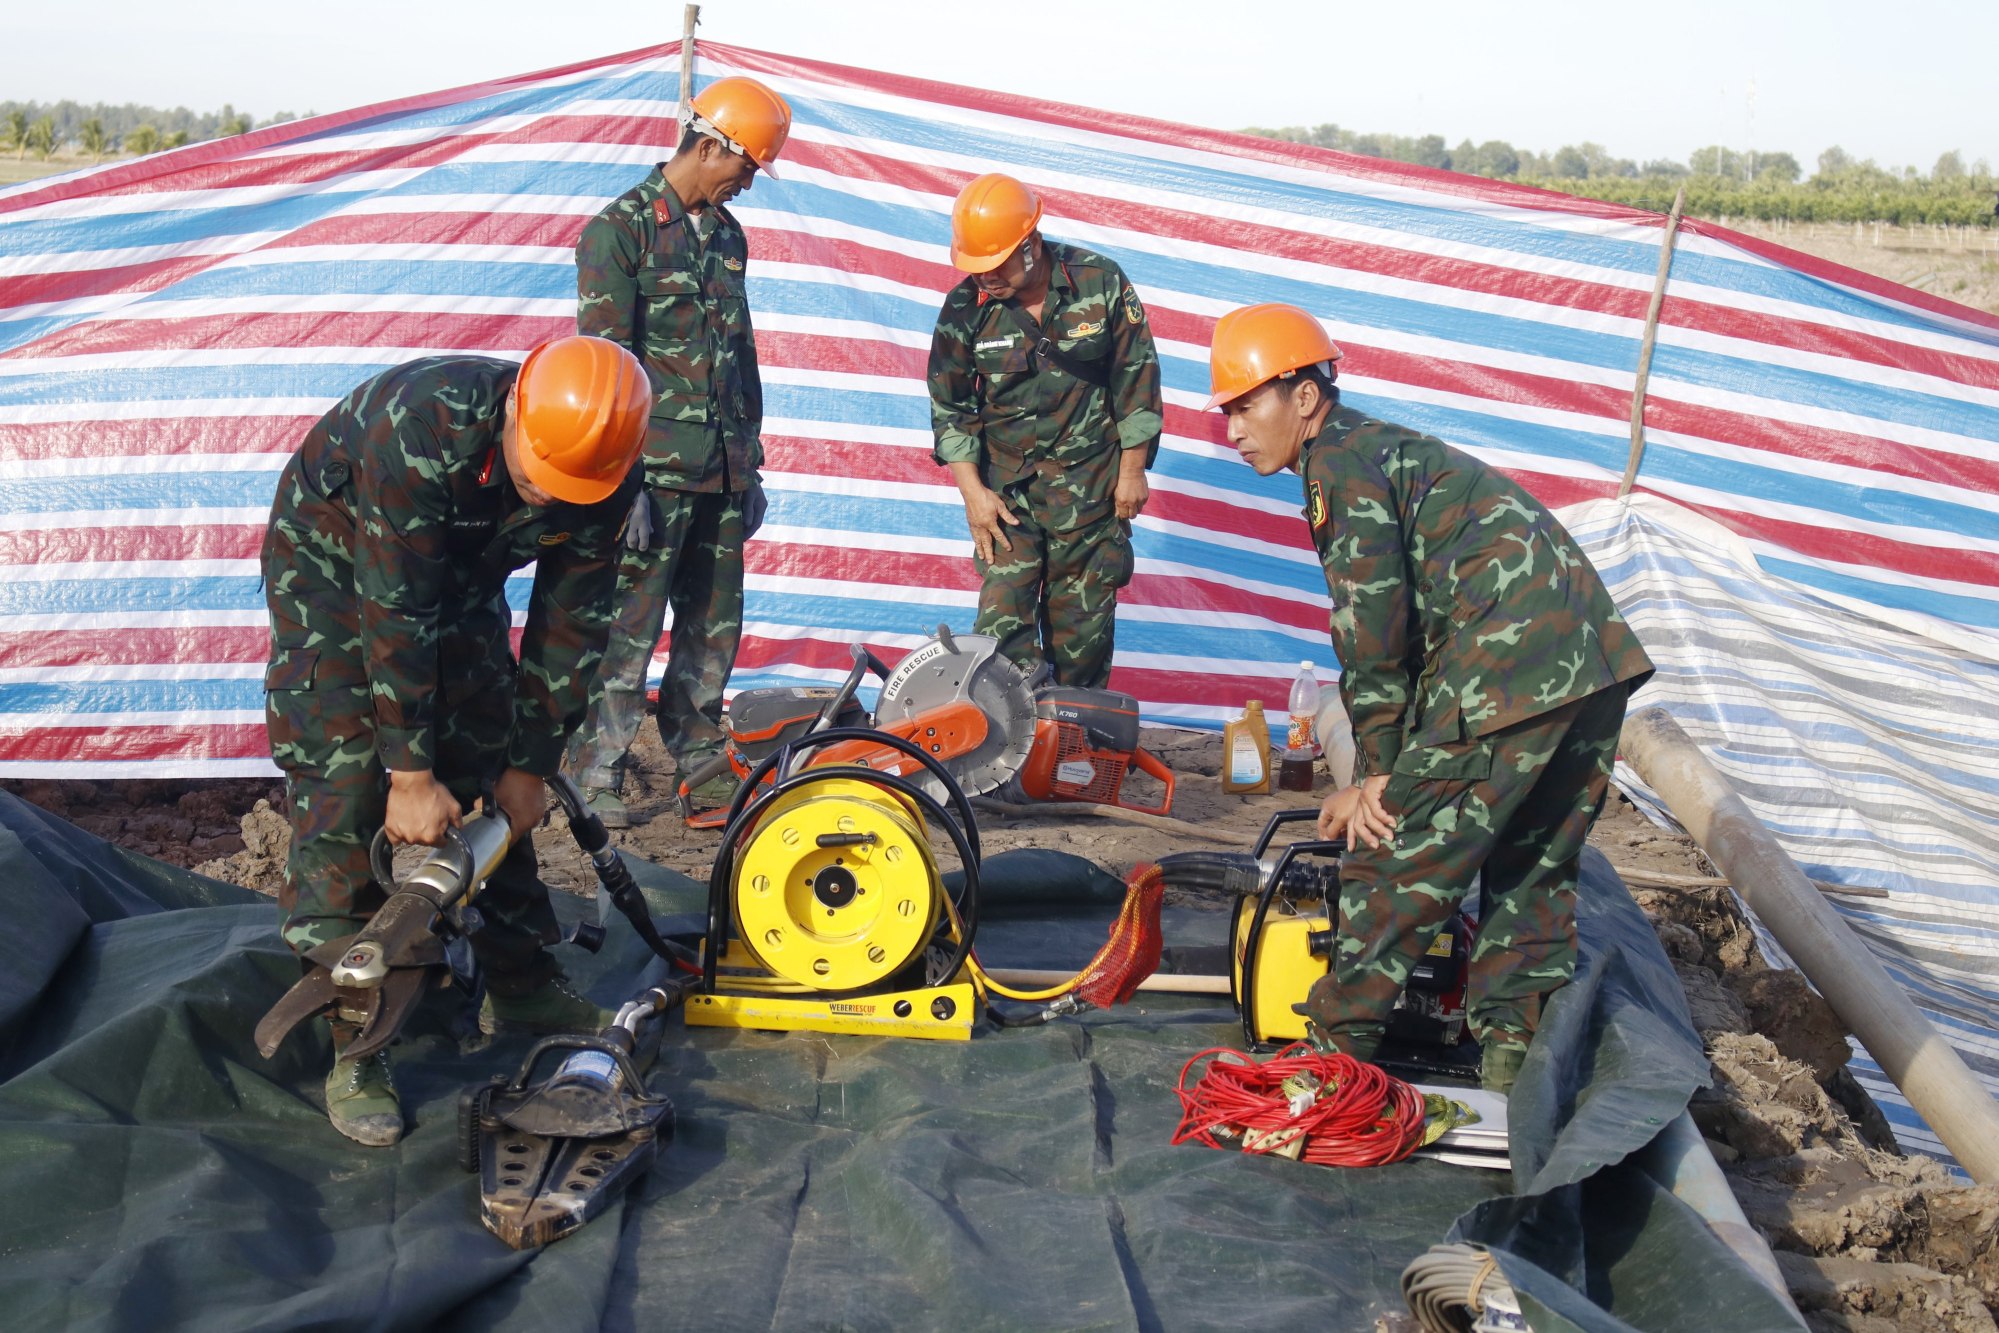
column 259, row 861
column 182, row 823
column 1861, row 1296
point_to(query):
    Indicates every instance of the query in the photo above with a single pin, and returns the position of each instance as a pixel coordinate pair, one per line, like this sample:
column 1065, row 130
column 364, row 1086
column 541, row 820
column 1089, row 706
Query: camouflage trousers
column 1053, row 596
column 695, row 567
column 322, row 729
column 1517, row 804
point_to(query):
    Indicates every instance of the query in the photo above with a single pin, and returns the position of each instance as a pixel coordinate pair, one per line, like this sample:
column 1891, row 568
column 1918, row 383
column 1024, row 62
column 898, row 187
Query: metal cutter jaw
column 376, row 977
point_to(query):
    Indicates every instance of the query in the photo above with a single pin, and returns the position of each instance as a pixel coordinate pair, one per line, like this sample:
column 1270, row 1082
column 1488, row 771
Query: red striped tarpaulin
column 170, row 326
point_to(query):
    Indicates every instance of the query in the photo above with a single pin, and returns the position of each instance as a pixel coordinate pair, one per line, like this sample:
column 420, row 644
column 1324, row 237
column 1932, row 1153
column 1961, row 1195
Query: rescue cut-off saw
column 969, row 708
column 955, row 696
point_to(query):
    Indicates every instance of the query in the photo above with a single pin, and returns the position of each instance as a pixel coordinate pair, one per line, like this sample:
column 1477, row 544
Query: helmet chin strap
column 702, row 126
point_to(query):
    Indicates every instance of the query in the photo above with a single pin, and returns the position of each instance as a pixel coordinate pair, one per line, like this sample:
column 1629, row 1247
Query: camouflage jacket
column 1460, row 605
column 996, row 402
column 645, row 279
column 399, row 500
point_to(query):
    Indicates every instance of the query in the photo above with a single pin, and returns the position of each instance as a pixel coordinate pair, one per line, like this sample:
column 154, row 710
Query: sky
column 1899, row 83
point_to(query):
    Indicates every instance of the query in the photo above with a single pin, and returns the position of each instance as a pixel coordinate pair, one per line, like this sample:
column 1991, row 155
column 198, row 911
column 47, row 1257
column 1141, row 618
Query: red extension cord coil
column 1359, row 1115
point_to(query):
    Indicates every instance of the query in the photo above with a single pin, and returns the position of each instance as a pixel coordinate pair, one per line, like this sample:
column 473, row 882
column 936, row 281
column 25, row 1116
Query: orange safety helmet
column 746, row 116
column 580, row 407
column 1262, row 342
column 993, row 215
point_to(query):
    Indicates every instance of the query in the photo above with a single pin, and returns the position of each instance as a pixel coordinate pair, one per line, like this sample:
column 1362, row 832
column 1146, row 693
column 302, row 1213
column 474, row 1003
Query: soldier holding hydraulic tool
column 392, row 697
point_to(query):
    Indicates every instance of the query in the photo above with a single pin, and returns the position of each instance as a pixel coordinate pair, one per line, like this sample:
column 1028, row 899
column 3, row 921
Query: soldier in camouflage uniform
column 1485, row 670
column 661, row 271
column 1044, row 398
column 392, row 698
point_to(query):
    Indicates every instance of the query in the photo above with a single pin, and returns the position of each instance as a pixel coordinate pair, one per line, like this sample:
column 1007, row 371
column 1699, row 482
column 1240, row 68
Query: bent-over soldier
column 392, row 697
column 1485, row 670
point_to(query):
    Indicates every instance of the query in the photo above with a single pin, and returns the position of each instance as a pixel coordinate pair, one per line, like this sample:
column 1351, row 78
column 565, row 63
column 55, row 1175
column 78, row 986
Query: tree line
column 1719, row 181
column 100, row 130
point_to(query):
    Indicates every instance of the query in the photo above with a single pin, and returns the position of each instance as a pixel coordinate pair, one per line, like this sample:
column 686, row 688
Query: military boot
column 549, row 1006
column 1499, row 1066
column 361, row 1100
column 608, row 806
column 717, row 790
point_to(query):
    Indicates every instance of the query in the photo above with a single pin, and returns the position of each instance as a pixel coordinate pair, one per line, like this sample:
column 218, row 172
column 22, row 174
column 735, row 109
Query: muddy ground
column 1868, row 1240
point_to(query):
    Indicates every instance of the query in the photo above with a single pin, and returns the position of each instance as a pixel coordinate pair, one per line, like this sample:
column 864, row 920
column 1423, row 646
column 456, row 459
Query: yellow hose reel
column 827, row 911
column 837, row 889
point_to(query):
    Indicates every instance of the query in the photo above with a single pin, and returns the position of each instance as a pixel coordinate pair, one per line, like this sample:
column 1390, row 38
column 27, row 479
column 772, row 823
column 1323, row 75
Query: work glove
column 755, row 505
column 638, row 525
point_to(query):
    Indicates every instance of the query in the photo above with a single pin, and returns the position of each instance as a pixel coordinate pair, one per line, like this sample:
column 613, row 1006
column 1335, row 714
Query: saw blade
column 968, row 667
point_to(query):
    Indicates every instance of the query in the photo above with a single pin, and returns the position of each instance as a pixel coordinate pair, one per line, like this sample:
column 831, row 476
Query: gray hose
column 1447, row 1287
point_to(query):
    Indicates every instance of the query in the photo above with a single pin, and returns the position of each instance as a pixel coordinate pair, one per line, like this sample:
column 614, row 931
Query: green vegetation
column 1721, row 182
column 41, row 138
column 93, row 139
column 48, row 128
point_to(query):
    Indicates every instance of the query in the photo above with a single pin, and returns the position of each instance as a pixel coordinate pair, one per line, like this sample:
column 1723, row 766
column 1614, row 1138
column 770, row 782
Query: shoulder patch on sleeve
column 1315, row 504
column 1134, row 313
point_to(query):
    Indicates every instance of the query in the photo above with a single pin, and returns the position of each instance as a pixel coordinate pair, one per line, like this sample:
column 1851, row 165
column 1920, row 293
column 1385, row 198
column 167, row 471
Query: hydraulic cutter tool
column 569, row 1132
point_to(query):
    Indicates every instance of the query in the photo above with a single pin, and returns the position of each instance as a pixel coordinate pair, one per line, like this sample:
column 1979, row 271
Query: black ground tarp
column 158, row 1174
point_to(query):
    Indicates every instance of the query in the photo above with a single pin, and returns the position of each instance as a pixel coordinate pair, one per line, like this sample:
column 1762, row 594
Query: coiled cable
column 1327, row 1109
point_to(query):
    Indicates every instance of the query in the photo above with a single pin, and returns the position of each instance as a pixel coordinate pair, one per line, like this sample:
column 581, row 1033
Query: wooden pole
column 1872, row 1004
column 1645, row 347
column 690, row 16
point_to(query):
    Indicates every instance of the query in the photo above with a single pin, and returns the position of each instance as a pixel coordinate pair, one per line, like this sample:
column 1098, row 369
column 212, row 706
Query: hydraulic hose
column 1446, row 1287
column 1233, row 873
column 614, row 875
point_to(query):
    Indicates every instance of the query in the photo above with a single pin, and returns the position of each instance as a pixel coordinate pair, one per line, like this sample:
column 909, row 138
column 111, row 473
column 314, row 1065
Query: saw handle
column 1283, row 817
column 864, row 662
column 711, row 768
column 1151, row 765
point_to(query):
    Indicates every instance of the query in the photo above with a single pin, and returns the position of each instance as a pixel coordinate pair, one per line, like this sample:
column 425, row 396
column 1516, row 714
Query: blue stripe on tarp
column 297, row 379
column 1978, row 611
column 775, row 295
column 1759, row 593
column 31, row 596
column 1783, row 479
column 1904, row 405
column 24, row 699
column 545, row 99
column 171, row 225
column 524, row 278
column 163, row 490
column 852, row 406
